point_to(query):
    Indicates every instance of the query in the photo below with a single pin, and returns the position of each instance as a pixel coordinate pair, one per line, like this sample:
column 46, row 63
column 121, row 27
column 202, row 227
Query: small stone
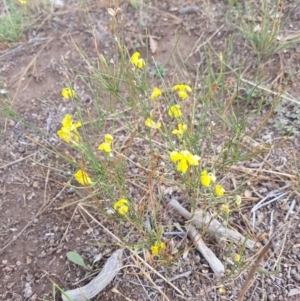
column 21, row 149
column 18, row 263
column 197, row 258
column 10, row 285
column 33, row 297
column 27, row 292
column 35, row 184
column 11, row 123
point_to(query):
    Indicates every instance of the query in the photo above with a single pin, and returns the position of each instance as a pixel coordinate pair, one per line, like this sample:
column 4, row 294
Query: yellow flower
column 67, row 93
column 155, row 93
column 121, row 206
column 157, row 247
column 237, row 258
column 82, row 178
column 151, row 124
column 136, row 61
column 181, row 129
column 68, row 130
column 182, row 91
column 207, row 178
column 225, row 209
column 238, row 200
column 175, row 111
column 106, row 145
column 219, row 190
column 22, row 2
column 185, row 159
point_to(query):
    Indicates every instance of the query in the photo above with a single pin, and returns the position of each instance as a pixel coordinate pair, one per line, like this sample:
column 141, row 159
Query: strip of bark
column 214, row 227
column 107, row 274
column 215, row 264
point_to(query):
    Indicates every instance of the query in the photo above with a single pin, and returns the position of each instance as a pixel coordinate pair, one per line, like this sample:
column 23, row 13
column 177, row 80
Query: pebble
column 27, row 291
column 11, row 123
column 35, row 184
column 197, row 258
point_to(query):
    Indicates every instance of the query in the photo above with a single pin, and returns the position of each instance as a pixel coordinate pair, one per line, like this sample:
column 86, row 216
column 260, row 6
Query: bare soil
column 35, row 233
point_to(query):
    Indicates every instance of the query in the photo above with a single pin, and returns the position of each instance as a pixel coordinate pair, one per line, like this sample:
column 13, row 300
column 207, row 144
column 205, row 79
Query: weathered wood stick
column 215, row 264
column 201, row 219
column 109, row 271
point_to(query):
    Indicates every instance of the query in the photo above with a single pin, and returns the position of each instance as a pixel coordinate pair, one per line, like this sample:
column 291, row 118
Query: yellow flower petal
column 154, row 250
column 182, row 165
column 68, row 132
column 22, row 2
column 205, row 179
column 178, row 87
column 188, row 88
column 181, row 129
column 151, row 124
column 136, row 61
column 155, row 93
column 225, row 209
column 157, row 247
column 237, row 258
column 67, row 93
column 104, row 146
column 182, row 90
column 108, row 138
column 67, row 123
column 219, row 190
column 82, row 178
column 212, row 177
column 182, row 95
column 185, row 158
column 121, row 206
column 67, row 135
column 175, row 156
column 192, row 159
column 64, row 134
column 175, row 111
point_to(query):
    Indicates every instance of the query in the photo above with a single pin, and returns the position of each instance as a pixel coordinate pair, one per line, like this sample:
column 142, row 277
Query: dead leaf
column 148, row 256
column 153, row 45
column 247, row 193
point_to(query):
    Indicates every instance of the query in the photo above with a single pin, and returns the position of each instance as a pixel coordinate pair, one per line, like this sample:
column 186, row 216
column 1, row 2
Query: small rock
column 35, row 184
column 10, row 285
column 27, row 292
column 18, row 263
column 21, row 149
column 11, row 123
column 197, row 258
column 33, row 297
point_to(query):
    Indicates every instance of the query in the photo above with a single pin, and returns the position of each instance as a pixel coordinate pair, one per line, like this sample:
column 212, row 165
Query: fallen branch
column 214, row 227
column 109, row 271
column 215, row 264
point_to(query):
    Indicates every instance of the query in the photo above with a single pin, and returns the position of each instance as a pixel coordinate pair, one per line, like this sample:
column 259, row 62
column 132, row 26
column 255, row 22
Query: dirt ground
column 35, row 233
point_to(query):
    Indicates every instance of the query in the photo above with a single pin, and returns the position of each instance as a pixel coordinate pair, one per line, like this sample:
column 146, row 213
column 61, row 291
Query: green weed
column 11, row 22
column 260, row 24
